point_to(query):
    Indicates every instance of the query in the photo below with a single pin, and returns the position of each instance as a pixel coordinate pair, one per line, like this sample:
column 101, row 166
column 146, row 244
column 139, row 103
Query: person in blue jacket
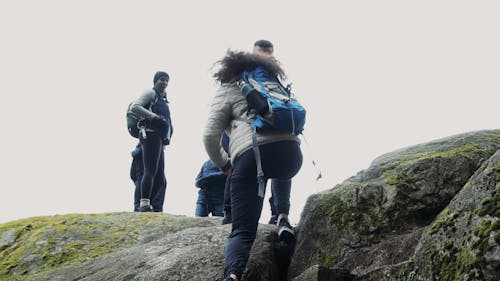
column 211, row 181
column 152, row 109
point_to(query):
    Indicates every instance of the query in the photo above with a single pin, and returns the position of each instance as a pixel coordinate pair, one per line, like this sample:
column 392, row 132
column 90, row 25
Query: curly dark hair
column 235, row 63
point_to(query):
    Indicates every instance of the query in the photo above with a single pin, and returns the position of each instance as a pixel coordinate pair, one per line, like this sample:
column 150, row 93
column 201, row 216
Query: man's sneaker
column 285, row 231
column 146, row 208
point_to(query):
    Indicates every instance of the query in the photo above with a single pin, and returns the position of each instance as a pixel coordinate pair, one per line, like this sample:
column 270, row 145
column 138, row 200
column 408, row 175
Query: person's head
column 235, row 62
column 263, row 47
column 160, row 80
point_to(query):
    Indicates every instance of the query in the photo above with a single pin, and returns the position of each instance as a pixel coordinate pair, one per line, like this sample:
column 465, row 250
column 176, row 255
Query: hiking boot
column 285, row 231
column 146, row 208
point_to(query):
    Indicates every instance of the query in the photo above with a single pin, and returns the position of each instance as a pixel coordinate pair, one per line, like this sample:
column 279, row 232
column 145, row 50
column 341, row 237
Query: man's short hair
column 264, row 44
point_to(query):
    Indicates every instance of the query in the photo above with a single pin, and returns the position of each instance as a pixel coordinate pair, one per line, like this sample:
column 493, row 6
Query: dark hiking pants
column 153, row 163
column 281, row 160
column 279, row 204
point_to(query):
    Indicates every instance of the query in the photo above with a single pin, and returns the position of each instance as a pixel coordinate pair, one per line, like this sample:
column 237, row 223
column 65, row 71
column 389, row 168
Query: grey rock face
column 191, row 254
column 321, row 273
column 463, row 242
column 399, row 194
column 8, row 238
column 160, row 247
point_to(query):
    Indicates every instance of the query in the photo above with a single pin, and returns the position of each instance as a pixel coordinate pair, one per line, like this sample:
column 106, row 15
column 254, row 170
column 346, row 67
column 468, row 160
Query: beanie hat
column 264, row 44
column 158, row 75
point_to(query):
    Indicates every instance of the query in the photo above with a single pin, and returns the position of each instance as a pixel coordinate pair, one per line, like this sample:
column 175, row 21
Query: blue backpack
column 275, row 107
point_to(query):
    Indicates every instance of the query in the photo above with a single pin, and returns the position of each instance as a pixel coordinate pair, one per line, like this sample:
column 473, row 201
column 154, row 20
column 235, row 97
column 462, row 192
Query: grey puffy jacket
column 228, row 105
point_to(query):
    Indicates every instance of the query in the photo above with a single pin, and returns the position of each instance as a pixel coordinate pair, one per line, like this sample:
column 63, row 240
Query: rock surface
column 371, row 223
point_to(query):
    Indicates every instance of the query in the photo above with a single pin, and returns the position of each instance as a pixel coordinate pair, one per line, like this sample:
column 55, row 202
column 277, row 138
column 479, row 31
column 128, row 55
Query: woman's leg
column 281, row 195
column 246, row 206
column 227, row 202
column 281, row 161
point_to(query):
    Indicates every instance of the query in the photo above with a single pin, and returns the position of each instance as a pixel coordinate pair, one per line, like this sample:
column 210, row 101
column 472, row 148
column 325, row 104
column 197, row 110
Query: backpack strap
column 258, row 161
column 141, row 125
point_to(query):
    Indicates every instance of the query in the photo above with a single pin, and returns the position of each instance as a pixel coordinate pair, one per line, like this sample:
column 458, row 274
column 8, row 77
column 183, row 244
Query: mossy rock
column 400, row 192
column 463, row 242
column 45, row 244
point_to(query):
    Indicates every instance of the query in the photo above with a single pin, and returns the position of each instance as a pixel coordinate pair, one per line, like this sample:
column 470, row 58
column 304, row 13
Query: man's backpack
column 137, row 125
column 134, row 124
column 275, row 107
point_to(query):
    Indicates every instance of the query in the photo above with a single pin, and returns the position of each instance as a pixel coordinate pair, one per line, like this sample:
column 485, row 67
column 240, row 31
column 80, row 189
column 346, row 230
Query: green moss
column 399, row 180
column 484, row 207
column 451, row 262
column 388, row 172
column 490, row 205
column 497, row 170
column 404, row 274
column 353, row 214
column 483, row 233
column 496, row 225
column 492, row 138
column 450, row 153
column 497, row 237
column 329, row 209
column 399, row 216
column 455, row 260
column 65, row 239
column 459, row 262
column 448, row 245
column 444, row 222
column 327, row 256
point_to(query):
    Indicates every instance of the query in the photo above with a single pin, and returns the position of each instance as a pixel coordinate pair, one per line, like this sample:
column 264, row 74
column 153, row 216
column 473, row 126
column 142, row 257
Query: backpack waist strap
column 258, row 162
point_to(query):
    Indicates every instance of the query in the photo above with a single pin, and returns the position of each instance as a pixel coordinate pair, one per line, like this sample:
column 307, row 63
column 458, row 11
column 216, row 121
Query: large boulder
column 371, row 223
column 463, row 242
column 127, row 246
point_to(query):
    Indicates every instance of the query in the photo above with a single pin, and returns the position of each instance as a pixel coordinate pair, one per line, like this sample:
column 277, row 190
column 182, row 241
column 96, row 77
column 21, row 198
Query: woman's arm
column 218, row 120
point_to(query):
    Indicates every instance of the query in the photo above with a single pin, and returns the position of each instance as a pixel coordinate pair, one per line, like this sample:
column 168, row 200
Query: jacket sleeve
column 170, row 125
column 140, row 107
column 218, row 120
column 199, row 177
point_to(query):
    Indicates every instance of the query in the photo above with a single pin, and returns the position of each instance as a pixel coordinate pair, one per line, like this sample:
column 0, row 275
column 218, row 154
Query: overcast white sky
column 375, row 76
